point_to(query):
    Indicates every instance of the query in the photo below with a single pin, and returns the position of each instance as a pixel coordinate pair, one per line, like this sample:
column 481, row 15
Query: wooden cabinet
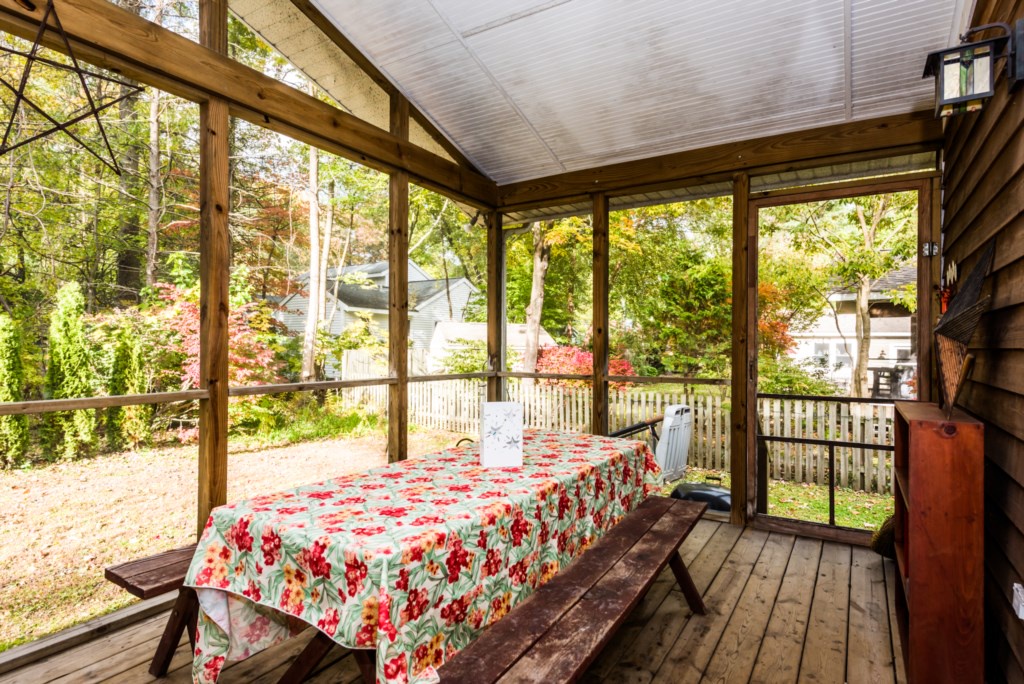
column 940, row 543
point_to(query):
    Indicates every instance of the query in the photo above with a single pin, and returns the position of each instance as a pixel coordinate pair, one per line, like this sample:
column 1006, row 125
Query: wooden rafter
column 116, row 39
column 370, row 69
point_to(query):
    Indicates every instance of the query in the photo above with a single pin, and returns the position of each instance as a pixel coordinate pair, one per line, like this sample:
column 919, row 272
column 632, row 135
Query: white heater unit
column 674, row 444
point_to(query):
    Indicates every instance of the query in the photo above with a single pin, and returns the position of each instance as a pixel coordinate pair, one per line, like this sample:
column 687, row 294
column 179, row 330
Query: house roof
column 530, row 88
column 376, row 298
column 905, row 275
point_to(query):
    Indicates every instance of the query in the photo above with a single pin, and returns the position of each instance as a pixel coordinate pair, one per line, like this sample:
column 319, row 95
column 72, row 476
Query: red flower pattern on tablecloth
column 413, row 559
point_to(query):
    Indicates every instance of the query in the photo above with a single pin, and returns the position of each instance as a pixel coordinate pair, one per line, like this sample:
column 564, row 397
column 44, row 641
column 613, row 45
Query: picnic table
column 413, row 559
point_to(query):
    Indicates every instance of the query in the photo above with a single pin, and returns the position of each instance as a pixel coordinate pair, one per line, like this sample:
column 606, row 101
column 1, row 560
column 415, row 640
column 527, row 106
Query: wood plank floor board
column 98, row 650
column 780, row 609
column 650, row 646
column 894, row 630
column 692, row 650
column 824, row 653
column 869, row 654
column 778, row 659
column 734, row 657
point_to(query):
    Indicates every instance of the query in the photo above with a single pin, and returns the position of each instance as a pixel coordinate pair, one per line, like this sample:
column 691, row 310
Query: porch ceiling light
column 965, row 75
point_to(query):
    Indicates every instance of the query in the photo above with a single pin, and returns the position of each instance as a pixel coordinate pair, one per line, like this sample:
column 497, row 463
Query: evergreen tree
column 129, row 426
column 13, row 429
column 70, row 374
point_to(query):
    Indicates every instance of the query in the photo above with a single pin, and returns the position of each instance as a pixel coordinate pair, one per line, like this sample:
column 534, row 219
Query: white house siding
column 435, row 311
column 890, row 342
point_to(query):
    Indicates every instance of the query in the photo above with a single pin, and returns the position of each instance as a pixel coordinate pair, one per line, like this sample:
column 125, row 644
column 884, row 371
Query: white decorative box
column 501, row 434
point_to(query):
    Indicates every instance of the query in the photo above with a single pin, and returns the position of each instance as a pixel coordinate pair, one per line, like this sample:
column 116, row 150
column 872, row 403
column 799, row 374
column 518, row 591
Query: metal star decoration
column 92, row 110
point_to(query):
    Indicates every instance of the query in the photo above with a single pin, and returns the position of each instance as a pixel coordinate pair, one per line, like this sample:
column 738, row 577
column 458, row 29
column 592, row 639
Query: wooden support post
column 741, row 371
column 599, row 421
column 214, row 261
column 495, row 305
column 928, row 281
column 398, row 293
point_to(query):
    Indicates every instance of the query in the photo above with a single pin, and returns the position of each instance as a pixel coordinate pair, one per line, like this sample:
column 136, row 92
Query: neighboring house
column 430, row 301
column 832, row 340
column 448, row 336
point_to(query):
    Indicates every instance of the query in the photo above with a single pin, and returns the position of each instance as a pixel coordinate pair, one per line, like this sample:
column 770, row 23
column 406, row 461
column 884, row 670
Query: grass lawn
column 860, row 510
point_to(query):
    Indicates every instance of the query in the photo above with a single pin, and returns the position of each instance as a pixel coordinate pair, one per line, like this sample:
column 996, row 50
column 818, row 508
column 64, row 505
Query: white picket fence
column 454, row 405
column 836, row 420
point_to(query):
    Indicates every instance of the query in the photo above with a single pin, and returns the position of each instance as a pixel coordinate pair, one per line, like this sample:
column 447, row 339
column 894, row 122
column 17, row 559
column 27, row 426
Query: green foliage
column 568, row 288
column 905, row 296
column 470, row 356
column 287, row 419
column 13, row 429
column 70, row 374
column 783, row 375
column 129, row 374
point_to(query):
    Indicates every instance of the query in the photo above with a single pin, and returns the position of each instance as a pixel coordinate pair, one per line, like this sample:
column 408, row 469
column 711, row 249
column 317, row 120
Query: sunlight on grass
column 801, row 501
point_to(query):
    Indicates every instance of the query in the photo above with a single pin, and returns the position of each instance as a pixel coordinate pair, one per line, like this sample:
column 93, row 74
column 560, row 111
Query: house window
column 842, row 358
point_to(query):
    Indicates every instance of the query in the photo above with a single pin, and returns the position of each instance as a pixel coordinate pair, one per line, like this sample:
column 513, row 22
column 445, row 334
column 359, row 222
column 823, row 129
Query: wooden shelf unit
column 939, row 534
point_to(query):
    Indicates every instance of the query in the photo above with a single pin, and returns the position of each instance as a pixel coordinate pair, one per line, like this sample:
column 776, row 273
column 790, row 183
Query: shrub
column 13, row 429
column 70, row 374
column 576, row 361
column 785, row 375
column 129, row 425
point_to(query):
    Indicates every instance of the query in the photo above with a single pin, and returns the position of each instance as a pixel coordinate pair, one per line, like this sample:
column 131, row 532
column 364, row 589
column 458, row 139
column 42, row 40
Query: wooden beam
column 764, row 155
column 928, row 280
column 214, row 262
column 495, row 306
column 599, row 220
column 335, row 35
column 23, row 408
column 154, row 55
column 398, row 293
column 739, row 412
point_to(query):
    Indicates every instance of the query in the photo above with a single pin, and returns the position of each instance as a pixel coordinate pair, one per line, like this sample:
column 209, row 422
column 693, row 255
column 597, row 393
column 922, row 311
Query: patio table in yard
column 413, row 559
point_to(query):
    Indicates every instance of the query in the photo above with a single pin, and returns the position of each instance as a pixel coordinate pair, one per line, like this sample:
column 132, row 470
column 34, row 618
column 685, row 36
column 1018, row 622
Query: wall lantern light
column 965, row 75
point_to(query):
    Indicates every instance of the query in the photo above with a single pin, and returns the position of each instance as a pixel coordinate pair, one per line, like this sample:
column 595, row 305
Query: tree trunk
column 155, row 189
column 129, row 263
column 313, row 284
column 860, row 387
column 325, row 252
column 541, row 259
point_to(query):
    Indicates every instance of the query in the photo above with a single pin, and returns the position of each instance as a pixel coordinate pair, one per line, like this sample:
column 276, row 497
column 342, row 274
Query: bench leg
column 693, row 596
column 183, row 616
column 304, row 664
column 367, row 662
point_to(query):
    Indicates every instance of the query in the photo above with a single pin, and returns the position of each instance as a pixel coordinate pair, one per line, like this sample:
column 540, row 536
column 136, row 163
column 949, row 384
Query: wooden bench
column 155, row 576
column 164, row 573
column 555, row 634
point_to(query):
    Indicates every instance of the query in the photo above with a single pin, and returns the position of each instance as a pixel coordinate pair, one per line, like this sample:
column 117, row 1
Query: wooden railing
column 454, row 405
column 852, row 426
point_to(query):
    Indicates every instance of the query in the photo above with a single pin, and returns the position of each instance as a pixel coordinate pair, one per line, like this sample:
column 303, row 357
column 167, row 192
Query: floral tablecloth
column 413, row 559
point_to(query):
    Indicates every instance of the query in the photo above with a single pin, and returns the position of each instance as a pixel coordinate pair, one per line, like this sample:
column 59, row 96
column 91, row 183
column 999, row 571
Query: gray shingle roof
column 359, row 297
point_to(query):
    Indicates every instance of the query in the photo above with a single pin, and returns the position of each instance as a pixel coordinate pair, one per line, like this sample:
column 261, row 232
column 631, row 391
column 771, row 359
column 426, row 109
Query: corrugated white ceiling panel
column 388, row 30
column 887, row 72
column 617, row 77
column 529, row 88
column 455, row 90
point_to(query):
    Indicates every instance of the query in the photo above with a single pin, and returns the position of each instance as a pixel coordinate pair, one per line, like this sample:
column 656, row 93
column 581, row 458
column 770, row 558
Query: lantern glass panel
column 981, row 70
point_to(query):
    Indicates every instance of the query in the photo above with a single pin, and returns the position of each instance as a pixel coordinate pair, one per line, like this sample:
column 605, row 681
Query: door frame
column 927, row 186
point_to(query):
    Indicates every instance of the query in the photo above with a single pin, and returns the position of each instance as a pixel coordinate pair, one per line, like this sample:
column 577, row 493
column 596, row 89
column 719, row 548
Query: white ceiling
column 529, row 88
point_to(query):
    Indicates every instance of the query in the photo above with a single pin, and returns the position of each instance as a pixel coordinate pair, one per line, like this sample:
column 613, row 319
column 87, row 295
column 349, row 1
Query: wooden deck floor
column 780, row 609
